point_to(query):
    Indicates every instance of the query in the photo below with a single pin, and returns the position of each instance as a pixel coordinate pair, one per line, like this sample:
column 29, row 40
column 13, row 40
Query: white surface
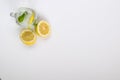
column 84, row 45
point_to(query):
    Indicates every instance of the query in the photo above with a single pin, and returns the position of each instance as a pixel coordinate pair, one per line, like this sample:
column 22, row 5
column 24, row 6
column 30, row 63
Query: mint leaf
column 21, row 18
column 35, row 23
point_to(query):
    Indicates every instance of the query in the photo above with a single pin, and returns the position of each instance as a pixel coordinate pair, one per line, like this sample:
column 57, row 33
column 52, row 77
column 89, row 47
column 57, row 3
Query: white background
column 84, row 44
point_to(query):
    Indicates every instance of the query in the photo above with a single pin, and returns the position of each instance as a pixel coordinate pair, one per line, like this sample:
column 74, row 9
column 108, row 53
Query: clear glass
column 25, row 17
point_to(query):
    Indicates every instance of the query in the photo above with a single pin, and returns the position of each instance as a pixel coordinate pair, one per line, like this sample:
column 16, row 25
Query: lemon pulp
column 43, row 29
column 28, row 37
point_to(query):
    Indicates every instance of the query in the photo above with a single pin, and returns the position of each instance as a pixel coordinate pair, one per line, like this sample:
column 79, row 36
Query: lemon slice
column 32, row 17
column 43, row 29
column 28, row 37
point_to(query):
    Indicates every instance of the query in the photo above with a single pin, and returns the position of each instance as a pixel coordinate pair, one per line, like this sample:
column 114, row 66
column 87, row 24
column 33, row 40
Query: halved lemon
column 28, row 37
column 43, row 29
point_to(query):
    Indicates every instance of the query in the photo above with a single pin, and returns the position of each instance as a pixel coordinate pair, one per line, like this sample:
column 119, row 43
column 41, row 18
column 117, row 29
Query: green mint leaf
column 21, row 18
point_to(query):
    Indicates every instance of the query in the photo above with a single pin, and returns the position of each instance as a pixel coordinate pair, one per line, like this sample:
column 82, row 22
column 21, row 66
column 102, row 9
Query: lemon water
column 25, row 17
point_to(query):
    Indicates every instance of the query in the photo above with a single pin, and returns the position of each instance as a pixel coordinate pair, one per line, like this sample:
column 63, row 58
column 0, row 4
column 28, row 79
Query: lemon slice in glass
column 32, row 17
column 43, row 29
column 28, row 37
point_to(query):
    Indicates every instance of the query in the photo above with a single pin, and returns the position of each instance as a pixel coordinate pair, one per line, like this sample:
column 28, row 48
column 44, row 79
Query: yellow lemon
column 32, row 17
column 28, row 37
column 43, row 29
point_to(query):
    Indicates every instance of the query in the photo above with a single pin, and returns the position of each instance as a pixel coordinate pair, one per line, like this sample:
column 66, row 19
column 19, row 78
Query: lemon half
column 28, row 37
column 43, row 29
